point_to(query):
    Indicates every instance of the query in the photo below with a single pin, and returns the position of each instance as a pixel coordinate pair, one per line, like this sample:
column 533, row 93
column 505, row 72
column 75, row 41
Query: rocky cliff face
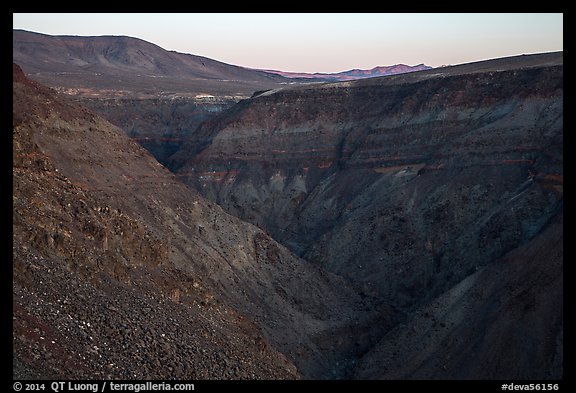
column 407, row 185
column 120, row 271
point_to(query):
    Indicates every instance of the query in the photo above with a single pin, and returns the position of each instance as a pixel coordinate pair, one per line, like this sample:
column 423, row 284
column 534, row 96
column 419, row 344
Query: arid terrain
column 399, row 227
column 157, row 97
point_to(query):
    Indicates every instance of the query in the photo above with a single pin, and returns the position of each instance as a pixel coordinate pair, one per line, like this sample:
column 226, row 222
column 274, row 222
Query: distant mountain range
column 355, row 73
column 91, row 65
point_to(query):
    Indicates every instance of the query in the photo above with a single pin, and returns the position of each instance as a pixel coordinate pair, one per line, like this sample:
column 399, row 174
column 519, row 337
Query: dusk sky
column 318, row 42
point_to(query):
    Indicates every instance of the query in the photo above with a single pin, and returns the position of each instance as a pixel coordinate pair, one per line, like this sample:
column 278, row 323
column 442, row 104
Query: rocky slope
column 508, row 315
column 407, row 185
column 120, row 271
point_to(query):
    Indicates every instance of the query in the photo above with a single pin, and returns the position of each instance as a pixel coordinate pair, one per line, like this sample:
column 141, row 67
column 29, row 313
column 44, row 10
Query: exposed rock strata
column 405, row 184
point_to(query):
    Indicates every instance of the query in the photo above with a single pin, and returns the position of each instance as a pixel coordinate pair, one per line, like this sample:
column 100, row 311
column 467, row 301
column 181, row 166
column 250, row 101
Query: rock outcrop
column 504, row 321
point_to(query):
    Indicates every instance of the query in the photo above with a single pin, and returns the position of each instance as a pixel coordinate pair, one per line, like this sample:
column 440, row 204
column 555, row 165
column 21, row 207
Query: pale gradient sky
column 318, row 42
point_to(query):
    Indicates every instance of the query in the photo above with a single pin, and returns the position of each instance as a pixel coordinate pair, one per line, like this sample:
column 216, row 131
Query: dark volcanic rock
column 427, row 208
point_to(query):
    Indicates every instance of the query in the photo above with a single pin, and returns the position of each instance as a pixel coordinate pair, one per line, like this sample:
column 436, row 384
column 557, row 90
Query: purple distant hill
column 355, row 73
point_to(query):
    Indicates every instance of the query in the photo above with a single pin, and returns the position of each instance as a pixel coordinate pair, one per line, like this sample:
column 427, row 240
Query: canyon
column 399, row 227
column 402, row 181
column 422, row 189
